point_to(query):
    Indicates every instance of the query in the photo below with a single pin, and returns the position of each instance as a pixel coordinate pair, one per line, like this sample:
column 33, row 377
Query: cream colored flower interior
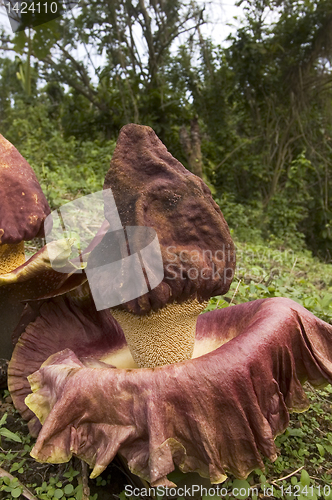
column 11, row 257
column 161, row 338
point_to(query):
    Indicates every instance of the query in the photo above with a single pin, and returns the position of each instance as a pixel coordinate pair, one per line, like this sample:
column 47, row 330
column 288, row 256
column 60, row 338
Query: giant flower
column 23, row 208
column 152, row 379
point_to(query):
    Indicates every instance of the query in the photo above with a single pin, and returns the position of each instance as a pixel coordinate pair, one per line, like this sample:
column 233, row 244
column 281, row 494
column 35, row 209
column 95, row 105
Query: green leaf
column 305, row 478
column 71, row 474
column 295, row 432
column 326, row 300
column 18, row 466
column 328, row 448
column 16, row 492
column 241, row 489
column 321, row 449
column 68, row 489
column 10, row 435
column 79, row 492
column 3, row 419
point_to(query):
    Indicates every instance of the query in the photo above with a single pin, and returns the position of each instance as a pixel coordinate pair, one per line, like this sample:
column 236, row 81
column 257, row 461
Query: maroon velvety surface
column 215, row 414
column 23, row 205
column 151, row 188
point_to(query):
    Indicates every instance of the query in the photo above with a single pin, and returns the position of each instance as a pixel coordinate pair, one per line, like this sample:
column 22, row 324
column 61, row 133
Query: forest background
column 253, row 117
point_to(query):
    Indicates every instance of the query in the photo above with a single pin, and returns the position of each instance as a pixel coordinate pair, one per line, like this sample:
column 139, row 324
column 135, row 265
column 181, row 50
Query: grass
column 263, row 272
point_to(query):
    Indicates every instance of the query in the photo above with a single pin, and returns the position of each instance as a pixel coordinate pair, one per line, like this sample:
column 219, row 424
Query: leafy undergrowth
column 303, row 469
column 263, row 271
column 45, row 481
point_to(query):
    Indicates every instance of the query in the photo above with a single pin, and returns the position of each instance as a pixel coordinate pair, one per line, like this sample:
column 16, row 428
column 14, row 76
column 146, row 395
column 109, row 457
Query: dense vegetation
column 252, row 117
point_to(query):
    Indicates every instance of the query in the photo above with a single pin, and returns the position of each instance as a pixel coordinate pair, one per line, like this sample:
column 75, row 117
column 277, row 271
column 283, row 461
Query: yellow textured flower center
column 11, row 257
column 163, row 337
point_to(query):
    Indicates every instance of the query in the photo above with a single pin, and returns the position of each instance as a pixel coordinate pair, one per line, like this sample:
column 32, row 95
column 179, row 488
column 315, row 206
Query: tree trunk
column 191, row 146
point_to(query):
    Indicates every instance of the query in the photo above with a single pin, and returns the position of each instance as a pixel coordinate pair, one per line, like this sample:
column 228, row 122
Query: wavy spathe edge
column 216, row 414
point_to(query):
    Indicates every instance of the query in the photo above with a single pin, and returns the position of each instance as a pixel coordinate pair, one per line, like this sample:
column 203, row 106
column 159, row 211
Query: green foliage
column 267, row 120
column 53, row 489
column 243, row 220
column 263, row 103
column 11, row 486
column 264, row 271
column 65, row 168
column 7, row 434
column 49, row 482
